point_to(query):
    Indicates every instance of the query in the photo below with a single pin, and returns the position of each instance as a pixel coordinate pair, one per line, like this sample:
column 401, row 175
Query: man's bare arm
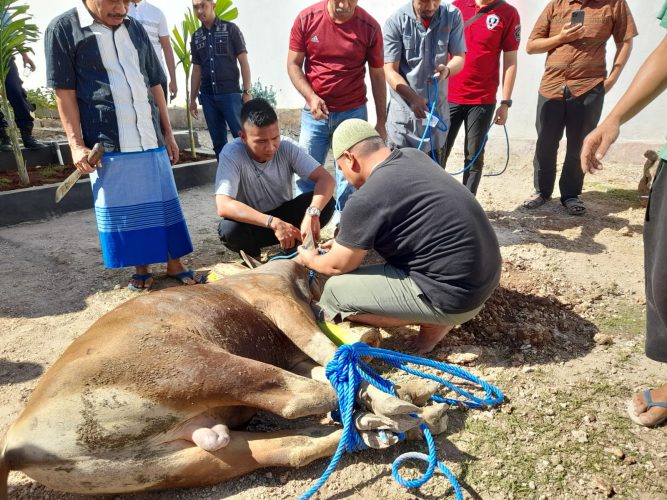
column 379, row 90
column 318, row 107
column 70, row 117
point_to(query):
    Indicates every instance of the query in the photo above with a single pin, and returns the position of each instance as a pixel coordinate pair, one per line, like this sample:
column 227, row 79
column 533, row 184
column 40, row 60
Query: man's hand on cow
column 571, row 32
column 306, row 255
column 172, row 147
column 318, row 108
column 285, row 233
column 193, row 109
column 326, row 246
column 80, row 159
column 310, row 224
column 418, row 106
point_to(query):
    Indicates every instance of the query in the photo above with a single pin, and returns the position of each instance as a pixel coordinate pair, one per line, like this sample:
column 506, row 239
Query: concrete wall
column 266, row 25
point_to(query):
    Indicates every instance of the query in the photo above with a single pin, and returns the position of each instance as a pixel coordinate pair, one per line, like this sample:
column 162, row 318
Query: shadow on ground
column 15, row 373
column 546, row 224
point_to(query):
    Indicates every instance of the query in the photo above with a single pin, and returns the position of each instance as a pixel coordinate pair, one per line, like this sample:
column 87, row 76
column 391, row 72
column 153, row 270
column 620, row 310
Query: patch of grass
column 615, row 193
column 629, row 320
column 53, row 170
column 532, row 451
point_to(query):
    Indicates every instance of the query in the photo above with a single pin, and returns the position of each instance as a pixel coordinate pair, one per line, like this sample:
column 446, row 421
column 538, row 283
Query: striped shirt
column 112, row 72
column 581, row 65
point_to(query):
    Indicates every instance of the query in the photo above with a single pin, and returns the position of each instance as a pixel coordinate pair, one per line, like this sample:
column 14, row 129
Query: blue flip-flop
column 140, row 277
column 199, row 280
column 649, row 404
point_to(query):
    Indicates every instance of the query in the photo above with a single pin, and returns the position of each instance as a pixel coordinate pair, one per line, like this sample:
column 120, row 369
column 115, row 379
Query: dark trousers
column 17, row 98
column 221, row 111
column 577, row 116
column 655, row 267
column 251, row 239
column 477, row 119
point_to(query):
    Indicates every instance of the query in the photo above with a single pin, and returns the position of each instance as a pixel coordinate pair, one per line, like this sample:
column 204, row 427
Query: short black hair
column 258, row 112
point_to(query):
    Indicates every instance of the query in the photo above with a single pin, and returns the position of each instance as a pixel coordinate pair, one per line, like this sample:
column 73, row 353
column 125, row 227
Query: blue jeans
column 315, row 137
column 221, row 111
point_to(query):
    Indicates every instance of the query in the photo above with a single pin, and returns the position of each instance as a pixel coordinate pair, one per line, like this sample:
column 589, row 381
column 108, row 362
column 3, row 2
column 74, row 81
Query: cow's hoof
column 417, row 391
column 378, row 440
column 211, row 439
column 371, row 422
column 435, row 417
column 382, row 403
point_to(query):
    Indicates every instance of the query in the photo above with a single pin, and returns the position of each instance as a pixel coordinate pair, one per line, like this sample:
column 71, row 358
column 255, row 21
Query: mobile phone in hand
column 577, row 17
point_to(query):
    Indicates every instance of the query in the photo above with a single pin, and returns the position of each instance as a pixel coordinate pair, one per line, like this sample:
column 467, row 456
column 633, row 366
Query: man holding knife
column 108, row 85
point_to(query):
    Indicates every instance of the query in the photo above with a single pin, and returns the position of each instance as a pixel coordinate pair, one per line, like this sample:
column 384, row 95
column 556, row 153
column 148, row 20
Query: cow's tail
column 4, row 469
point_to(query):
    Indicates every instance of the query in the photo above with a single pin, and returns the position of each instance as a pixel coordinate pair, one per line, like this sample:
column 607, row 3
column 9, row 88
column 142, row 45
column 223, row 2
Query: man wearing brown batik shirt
column 573, row 87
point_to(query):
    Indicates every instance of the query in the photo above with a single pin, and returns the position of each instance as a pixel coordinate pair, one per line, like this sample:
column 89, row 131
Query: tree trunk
column 13, row 133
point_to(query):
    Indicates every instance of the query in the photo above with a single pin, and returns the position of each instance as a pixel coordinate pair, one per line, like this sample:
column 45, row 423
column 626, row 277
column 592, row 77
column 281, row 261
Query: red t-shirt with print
column 494, row 32
column 336, row 54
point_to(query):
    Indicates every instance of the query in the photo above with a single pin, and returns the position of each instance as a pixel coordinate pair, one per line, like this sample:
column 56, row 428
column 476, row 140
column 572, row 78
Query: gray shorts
column 384, row 290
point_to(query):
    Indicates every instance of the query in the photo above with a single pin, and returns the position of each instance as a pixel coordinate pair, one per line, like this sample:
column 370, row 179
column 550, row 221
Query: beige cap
column 349, row 133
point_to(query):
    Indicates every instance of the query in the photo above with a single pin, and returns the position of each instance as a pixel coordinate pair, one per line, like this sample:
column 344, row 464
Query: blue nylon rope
column 442, row 126
column 345, row 373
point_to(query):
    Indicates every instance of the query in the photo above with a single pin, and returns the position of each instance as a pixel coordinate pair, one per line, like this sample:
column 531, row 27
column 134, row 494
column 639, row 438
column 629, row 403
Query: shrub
column 265, row 92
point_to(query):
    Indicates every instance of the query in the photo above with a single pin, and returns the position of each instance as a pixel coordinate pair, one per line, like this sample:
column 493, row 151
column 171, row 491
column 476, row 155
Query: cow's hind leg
column 246, row 452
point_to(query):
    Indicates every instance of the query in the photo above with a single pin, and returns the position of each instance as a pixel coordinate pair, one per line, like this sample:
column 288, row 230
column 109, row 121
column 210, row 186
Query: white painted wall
column 266, row 25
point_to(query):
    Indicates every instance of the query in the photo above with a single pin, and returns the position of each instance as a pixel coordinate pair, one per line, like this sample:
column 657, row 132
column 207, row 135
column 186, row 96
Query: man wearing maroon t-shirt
column 495, row 28
column 330, row 44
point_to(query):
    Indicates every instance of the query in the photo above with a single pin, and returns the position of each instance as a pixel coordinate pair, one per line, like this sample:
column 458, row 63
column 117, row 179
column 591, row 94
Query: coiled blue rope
column 346, row 371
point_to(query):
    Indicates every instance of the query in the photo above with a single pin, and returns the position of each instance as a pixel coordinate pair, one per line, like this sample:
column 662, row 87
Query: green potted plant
column 16, row 34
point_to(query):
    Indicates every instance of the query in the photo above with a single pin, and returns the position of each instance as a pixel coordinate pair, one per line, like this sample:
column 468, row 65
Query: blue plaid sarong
column 138, row 213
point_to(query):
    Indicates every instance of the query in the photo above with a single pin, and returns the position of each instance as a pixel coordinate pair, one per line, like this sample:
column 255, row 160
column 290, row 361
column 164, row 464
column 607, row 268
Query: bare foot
column 429, row 336
column 649, row 417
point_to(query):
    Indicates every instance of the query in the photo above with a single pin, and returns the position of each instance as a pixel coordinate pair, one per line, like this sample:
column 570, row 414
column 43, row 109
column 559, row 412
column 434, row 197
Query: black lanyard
column 485, row 10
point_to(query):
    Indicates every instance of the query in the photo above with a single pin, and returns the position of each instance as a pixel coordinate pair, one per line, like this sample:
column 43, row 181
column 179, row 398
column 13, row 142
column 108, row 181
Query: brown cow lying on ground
column 146, row 398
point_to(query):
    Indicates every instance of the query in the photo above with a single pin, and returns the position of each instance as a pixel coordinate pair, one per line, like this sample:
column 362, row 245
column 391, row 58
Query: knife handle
column 95, row 154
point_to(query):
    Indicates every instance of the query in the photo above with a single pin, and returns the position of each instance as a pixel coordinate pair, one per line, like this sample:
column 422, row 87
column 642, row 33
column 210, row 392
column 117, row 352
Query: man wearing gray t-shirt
column 253, row 186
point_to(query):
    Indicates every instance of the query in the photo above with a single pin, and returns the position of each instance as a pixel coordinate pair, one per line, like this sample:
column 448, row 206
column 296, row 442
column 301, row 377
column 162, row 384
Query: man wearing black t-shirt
column 442, row 256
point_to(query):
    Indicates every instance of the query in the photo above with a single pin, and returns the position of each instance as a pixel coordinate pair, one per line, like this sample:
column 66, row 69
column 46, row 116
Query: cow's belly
column 96, row 439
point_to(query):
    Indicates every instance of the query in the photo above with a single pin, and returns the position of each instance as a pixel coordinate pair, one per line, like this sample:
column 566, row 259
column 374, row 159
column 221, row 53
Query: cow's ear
column 251, row 262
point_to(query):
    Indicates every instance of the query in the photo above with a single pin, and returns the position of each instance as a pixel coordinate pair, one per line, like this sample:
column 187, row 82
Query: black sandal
column 574, row 206
column 534, row 201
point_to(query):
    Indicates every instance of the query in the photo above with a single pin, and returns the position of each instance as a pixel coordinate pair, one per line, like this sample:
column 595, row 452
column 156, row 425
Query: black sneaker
column 29, row 142
column 5, row 143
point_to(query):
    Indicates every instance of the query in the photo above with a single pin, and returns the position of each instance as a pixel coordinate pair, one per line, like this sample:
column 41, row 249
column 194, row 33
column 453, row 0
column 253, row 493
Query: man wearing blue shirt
column 216, row 47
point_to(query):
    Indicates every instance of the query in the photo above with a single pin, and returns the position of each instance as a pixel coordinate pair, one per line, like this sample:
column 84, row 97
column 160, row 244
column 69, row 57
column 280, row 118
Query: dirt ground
column 562, row 337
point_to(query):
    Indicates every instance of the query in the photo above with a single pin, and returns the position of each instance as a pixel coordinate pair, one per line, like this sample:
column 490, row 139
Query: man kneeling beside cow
column 158, row 392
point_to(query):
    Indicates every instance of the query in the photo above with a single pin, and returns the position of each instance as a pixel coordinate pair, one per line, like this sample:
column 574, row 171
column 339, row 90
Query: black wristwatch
column 246, row 91
column 507, row 102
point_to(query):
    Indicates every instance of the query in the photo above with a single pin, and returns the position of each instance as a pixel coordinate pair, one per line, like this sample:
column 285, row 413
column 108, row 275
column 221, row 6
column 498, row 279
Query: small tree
column 181, row 42
column 15, row 34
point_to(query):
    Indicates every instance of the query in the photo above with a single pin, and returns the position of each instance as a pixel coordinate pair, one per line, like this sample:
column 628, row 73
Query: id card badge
column 432, row 123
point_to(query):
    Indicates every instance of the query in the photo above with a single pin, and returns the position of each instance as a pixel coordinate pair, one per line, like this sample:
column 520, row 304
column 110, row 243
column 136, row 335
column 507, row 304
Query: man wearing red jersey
column 330, row 44
column 491, row 27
